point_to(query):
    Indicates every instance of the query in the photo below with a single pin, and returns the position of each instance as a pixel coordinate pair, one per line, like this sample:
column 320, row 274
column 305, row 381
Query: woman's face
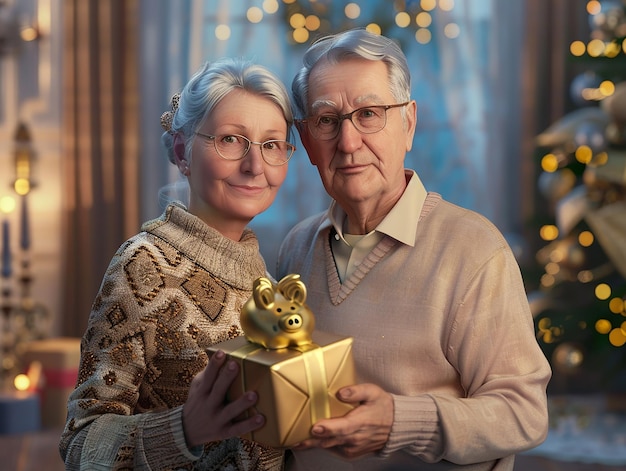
column 227, row 194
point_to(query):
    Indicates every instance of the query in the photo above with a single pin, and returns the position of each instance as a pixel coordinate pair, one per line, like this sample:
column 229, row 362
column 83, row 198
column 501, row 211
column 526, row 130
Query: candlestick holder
column 7, row 352
column 23, row 320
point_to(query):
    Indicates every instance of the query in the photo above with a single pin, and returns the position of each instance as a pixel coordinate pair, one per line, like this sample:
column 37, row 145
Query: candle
column 25, row 233
column 6, row 250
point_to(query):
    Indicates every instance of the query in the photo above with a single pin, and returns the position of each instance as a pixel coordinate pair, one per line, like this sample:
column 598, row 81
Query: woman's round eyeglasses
column 367, row 120
column 236, row 147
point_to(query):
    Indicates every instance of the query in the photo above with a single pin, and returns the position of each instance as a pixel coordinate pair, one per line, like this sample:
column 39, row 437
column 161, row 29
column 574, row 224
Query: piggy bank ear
column 263, row 293
column 293, row 289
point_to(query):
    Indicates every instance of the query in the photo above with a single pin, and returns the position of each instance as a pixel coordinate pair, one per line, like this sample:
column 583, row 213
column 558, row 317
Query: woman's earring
column 184, row 167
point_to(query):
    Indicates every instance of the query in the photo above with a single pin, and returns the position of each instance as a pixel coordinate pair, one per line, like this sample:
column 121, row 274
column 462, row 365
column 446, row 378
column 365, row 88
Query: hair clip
column 168, row 116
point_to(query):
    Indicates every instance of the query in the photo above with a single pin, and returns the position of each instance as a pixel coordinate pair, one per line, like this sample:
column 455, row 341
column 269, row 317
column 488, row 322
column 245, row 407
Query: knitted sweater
column 445, row 327
column 169, row 292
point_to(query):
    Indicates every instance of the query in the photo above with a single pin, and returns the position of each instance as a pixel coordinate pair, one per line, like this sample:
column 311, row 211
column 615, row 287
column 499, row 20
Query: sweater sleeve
column 415, row 428
column 112, row 440
column 106, row 428
column 502, row 370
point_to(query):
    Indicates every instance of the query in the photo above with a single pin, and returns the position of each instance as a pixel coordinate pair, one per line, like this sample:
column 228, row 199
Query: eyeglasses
column 367, row 120
column 236, row 147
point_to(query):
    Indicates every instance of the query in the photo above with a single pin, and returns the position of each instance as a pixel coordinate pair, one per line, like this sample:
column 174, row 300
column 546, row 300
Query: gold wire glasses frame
column 235, row 147
column 367, row 120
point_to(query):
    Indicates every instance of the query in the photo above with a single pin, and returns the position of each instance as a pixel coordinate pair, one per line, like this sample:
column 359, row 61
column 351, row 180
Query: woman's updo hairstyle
column 206, row 88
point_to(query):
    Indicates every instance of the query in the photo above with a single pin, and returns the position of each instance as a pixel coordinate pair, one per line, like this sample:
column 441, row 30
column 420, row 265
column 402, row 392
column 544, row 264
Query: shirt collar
column 401, row 222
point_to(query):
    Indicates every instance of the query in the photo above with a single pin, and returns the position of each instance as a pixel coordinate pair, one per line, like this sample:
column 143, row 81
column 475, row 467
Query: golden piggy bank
column 276, row 316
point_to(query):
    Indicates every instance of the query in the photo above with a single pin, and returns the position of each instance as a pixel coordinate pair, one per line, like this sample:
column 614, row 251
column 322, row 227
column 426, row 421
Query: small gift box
column 295, row 371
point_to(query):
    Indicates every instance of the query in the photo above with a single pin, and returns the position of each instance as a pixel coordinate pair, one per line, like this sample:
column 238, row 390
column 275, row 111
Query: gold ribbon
column 315, row 372
column 242, row 353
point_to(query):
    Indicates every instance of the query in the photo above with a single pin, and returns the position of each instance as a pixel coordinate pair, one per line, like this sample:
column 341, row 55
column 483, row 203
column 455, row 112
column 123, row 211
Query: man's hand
column 363, row 430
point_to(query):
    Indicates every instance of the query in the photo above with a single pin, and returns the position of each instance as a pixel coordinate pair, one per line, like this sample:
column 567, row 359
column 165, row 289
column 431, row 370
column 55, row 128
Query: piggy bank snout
column 291, row 322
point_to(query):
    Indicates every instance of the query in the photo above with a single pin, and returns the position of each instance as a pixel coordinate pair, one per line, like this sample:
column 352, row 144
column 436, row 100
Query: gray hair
column 350, row 44
column 210, row 84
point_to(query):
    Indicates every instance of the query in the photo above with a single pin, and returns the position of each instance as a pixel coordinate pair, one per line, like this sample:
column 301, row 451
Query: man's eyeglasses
column 236, row 147
column 367, row 120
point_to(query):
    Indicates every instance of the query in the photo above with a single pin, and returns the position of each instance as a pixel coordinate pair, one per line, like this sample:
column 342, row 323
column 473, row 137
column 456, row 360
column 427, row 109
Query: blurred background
column 522, row 118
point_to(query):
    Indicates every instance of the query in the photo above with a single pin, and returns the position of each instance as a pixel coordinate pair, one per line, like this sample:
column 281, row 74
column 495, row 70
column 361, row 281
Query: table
column 37, row 451
column 31, row 451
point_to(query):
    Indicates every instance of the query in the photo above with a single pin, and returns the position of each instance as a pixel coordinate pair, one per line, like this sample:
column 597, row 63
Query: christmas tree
column 577, row 290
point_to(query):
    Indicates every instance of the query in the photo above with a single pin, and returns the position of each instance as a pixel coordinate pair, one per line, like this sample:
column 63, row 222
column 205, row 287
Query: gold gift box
column 296, row 386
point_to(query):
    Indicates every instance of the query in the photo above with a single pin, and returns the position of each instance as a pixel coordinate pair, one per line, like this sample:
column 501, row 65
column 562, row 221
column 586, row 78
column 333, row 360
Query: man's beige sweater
column 443, row 325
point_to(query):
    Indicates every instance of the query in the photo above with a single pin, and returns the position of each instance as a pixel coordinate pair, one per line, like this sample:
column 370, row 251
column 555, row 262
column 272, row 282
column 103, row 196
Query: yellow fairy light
column 312, row 23
column 297, row 20
column 423, row 36
column 585, row 238
column 352, row 11
column 553, row 268
column 549, row 163
column 603, row 326
column 270, row 6
column 374, row 28
column 446, row 5
column 544, row 323
column 593, row 7
column 452, row 30
column 428, row 5
column 585, row 276
column 617, row 337
column 607, row 88
column 548, row 232
column 423, row 19
column 612, row 49
column 616, row 305
column 603, row 291
column 599, row 159
column 577, row 48
column 403, row 19
column 584, row 154
column 547, row 280
column 595, row 47
column 254, row 15
column 222, row 32
column 300, row 35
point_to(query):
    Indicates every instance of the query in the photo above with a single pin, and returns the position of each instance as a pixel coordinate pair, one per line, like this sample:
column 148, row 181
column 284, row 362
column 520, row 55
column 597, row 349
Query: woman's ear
column 179, row 153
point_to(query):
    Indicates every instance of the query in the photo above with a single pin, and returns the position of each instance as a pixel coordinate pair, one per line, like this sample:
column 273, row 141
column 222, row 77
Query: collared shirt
column 400, row 223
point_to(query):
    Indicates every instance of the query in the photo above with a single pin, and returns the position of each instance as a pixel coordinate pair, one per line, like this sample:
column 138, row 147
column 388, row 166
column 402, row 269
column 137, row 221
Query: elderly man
column 450, row 373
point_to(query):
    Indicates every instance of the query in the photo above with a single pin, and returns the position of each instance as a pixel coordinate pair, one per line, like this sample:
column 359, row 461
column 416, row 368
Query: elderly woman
column 147, row 396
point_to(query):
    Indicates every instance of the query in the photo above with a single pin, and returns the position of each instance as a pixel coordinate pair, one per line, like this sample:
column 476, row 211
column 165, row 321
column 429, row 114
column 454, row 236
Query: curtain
column 467, row 143
column 546, row 74
column 100, row 146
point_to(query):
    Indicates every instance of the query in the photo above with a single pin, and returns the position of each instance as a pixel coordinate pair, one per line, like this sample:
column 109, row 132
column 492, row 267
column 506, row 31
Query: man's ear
column 179, row 154
column 305, row 138
column 411, row 122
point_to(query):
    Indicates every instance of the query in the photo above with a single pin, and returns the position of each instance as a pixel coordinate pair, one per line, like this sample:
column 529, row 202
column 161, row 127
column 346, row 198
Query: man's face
column 358, row 169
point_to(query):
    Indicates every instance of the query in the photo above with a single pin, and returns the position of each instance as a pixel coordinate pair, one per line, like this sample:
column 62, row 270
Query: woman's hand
column 207, row 416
